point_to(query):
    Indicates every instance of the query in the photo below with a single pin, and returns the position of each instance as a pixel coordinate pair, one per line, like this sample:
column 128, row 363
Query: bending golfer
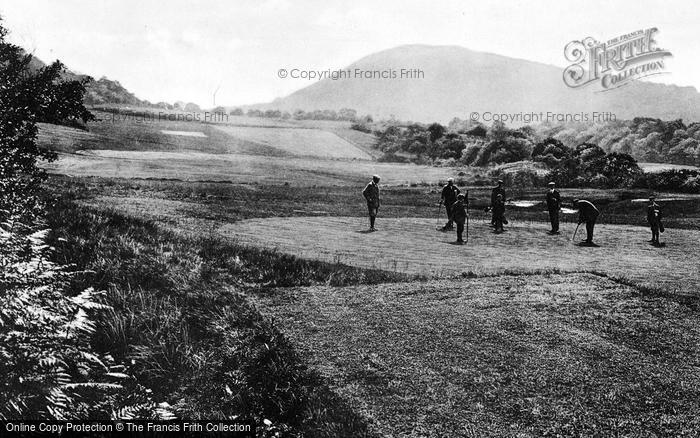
column 449, row 197
column 458, row 214
column 371, row 194
column 588, row 213
column 553, row 206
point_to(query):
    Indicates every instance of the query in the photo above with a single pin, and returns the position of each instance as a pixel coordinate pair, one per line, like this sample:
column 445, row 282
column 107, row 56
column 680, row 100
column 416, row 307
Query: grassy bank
column 182, row 322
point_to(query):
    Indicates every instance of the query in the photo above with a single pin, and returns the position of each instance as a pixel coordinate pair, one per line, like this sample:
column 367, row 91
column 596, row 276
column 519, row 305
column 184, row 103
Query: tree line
column 343, row 114
column 573, row 155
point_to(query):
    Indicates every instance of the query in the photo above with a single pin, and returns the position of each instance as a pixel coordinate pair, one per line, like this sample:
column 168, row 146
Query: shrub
column 49, row 368
column 599, row 181
column 470, row 153
column 392, row 158
column 361, row 127
column 692, row 184
column 527, row 178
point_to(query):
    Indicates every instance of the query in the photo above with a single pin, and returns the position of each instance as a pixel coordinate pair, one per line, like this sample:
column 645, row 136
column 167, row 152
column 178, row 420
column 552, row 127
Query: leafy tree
column 347, row 114
column 478, row 131
column 499, row 131
column 273, row 114
column 471, row 153
column 621, row 170
column 451, row 146
column 390, row 140
column 415, row 140
column 458, row 125
column 497, row 152
column 192, row 108
column 592, row 158
column 551, row 151
column 48, row 368
column 437, row 131
column 26, row 98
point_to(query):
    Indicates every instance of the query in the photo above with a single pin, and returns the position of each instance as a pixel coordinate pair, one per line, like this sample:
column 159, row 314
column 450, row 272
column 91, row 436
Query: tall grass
column 181, row 319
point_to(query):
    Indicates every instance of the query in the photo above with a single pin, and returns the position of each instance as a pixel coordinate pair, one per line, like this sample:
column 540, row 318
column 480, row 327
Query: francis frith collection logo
column 616, row 62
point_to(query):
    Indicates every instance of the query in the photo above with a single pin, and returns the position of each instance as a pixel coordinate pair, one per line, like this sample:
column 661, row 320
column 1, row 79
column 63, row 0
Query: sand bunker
column 185, row 133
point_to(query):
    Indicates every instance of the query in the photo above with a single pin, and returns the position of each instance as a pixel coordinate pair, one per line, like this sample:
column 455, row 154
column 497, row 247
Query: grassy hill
column 458, row 81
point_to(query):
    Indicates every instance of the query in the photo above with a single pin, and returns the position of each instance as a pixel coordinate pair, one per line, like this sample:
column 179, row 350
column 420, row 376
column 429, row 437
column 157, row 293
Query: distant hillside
column 458, row 81
column 101, row 91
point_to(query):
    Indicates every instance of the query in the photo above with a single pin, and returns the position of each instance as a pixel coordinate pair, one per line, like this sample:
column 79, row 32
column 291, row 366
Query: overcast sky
column 184, row 50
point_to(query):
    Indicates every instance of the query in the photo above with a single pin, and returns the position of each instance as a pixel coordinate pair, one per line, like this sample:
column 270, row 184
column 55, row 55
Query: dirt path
column 412, row 245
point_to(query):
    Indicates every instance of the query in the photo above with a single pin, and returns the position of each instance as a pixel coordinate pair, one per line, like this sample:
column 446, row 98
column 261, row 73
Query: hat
column 376, row 177
column 460, row 196
column 500, row 181
column 450, row 179
column 499, row 195
column 551, row 183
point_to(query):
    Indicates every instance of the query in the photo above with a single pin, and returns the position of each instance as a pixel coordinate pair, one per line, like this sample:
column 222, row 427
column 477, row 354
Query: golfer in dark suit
column 588, row 213
column 553, row 206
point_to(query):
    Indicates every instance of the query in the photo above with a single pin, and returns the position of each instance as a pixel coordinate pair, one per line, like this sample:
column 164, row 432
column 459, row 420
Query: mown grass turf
column 530, row 356
column 428, row 366
column 412, row 245
column 229, row 202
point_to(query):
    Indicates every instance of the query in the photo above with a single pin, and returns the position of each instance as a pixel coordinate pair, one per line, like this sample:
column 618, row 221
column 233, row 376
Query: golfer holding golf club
column 588, row 213
column 449, row 197
column 458, row 214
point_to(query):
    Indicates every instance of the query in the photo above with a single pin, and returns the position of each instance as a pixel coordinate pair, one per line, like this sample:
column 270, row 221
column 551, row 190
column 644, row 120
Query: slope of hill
column 101, row 91
column 458, row 81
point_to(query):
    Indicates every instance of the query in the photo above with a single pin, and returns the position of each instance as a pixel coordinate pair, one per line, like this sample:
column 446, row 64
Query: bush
column 392, row 158
column 526, row 178
column 470, row 154
column 681, row 180
column 599, row 181
column 361, row 127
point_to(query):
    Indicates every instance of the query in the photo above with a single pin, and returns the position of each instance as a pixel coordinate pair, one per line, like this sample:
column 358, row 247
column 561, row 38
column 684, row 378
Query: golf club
column 437, row 219
column 575, row 231
column 466, row 228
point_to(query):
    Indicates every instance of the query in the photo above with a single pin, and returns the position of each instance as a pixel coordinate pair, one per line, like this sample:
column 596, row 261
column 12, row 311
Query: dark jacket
column 587, row 212
column 371, row 194
column 459, row 211
column 449, row 194
column 499, row 207
column 654, row 214
column 495, row 192
column 553, row 200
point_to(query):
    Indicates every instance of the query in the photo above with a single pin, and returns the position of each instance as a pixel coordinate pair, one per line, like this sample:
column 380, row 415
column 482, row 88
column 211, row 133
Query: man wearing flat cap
column 458, row 214
column 449, row 197
column 553, row 206
column 498, row 190
column 371, row 194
